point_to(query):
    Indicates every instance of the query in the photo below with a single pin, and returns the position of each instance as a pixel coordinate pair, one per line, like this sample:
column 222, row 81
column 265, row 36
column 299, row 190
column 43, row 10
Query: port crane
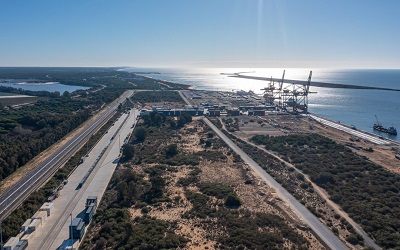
column 288, row 95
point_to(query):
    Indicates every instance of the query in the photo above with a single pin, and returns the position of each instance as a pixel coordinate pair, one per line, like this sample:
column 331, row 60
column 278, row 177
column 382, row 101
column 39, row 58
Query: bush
column 171, row 150
column 128, row 151
column 353, row 239
column 215, row 189
column 232, row 201
column 187, row 117
column 140, row 134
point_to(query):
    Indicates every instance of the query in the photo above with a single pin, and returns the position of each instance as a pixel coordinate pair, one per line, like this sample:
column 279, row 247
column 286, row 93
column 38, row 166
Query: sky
column 206, row 33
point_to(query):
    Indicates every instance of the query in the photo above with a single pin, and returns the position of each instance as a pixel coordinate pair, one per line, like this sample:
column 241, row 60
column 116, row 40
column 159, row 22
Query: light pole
column 1, row 236
column 72, row 236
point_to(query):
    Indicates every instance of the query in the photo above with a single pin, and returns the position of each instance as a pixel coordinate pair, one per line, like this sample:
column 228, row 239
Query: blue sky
column 206, row 33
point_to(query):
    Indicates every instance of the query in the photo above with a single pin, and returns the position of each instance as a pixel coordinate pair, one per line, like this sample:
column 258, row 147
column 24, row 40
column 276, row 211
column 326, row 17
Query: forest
column 157, row 96
column 85, row 76
column 27, row 131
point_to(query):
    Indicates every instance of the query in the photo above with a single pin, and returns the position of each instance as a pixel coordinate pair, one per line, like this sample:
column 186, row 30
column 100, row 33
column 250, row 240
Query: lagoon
column 50, row 86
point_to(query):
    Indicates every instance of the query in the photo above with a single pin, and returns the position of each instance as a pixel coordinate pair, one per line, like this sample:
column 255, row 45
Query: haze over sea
column 349, row 106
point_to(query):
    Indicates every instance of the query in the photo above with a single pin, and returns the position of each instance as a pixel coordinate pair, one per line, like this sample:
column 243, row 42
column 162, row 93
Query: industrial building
column 175, row 112
column 30, row 226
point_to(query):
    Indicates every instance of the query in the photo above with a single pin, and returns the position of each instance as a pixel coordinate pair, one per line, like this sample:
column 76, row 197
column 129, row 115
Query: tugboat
column 391, row 130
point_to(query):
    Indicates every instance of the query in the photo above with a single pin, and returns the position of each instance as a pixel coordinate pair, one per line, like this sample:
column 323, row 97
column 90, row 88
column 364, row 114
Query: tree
column 128, row 151
column 141, row 134
column 66, row 94
column 324, row 177
column 101, row 243
column 181, row 122
column 233, row 201
column 122, row 189
column 187, row 117
column 172, row 124
column 156, row 118
column 171, row 150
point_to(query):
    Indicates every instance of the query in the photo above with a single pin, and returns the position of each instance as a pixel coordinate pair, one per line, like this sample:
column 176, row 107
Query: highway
column 55, row 232
column 323, row 232
column 360, row 134
column 16, row 194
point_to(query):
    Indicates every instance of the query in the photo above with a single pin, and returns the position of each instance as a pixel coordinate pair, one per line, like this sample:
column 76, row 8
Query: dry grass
column 256, row 197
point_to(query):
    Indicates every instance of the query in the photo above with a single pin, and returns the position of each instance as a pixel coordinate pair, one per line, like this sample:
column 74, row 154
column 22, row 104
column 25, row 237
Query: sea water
column 356, row 107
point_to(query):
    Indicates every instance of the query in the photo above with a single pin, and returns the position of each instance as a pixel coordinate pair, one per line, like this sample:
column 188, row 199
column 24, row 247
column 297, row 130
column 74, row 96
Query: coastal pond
column 47, row 86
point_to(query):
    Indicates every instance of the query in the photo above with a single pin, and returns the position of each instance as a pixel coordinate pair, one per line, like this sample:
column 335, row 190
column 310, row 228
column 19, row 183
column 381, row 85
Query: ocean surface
column 349, row 106
column 53, row 87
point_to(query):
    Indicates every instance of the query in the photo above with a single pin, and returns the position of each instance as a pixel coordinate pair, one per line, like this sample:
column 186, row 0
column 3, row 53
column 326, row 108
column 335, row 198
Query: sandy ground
column 383, row 155
column 256, row 197
column 286, row 124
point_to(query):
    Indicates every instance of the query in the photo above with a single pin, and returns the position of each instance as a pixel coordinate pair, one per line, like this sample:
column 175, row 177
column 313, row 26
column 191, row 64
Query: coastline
column 388, row 140
column 185, row 86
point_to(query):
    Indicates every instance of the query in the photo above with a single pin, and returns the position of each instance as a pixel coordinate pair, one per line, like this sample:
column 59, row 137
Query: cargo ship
column 391, row 130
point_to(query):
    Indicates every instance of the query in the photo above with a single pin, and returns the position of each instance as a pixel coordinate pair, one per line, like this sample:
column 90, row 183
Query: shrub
column 215, row 189
column 171, row 150
column 232, row 201
column 140, row 134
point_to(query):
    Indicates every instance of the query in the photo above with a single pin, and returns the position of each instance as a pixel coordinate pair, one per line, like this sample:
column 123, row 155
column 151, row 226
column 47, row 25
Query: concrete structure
column 47, row 207
column 35, row 224
column 25, row 226
column 233, row 112
column 175, row 112
column 77, row 229
column 22, row 244
column 69, row 245
column 89, row 212
column 196, row 97
column 260, row 107
column 40, row 215
column 259, row 112
column 91, row 200
column 11, row 244
column 54, row 233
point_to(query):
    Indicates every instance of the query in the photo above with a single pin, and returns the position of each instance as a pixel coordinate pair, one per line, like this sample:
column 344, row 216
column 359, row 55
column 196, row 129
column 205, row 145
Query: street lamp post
column 72, row 235
column 1, row 236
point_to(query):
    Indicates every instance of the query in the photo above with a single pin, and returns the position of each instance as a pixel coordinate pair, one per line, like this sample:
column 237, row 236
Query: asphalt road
column 16, row 194
column 55, row 230
column 313, row 222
